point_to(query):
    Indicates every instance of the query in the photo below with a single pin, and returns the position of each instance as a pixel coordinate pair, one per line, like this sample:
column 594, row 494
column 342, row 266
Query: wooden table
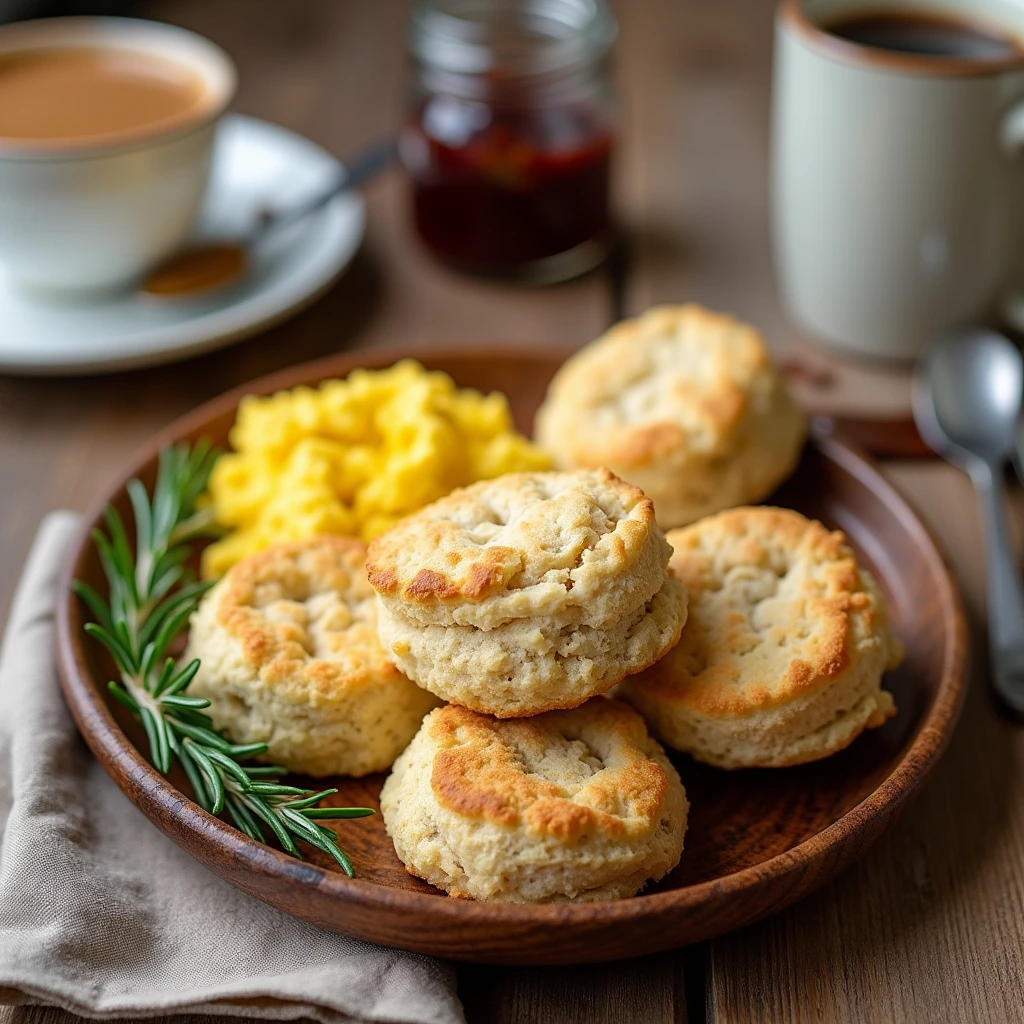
column 930, row 924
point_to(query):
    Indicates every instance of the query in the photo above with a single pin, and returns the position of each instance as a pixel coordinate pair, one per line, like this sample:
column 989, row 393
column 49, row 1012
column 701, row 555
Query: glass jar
column 509, row 140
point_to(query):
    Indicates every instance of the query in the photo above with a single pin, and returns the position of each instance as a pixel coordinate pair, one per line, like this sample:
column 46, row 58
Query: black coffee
column 930, row 35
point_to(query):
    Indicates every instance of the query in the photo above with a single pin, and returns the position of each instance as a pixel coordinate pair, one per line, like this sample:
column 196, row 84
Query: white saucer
column 256, row 164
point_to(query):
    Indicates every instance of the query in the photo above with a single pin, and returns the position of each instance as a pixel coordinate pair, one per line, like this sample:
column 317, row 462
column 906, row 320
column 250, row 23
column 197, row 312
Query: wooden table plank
column 651, row 990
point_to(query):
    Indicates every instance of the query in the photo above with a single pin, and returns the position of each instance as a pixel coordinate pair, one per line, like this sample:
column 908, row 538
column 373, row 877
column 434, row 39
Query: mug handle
column 1011, row 138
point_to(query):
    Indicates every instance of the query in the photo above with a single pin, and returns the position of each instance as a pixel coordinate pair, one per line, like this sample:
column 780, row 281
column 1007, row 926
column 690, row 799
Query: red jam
column 498, row 191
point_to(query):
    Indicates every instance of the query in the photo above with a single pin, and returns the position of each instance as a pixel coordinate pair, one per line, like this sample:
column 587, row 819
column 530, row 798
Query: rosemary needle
column 151, row 596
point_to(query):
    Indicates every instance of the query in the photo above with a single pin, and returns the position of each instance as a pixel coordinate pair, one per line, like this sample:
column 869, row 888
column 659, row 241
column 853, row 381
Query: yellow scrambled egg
column 353, row 456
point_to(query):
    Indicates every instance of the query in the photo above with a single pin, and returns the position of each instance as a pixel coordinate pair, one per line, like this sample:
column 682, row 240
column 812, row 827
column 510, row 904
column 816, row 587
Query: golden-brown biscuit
column 527, row 593
column 568, row 806
column 783, row 653
column 580, row 547
column 290, row 657
column 683, row 402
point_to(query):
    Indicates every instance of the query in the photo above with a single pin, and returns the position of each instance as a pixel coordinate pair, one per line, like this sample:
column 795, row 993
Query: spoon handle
column 1005, row 596
column 363, row 167
column 1017, row 451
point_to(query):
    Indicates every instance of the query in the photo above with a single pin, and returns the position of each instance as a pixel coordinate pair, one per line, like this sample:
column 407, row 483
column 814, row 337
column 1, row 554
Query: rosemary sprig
column 151, row 597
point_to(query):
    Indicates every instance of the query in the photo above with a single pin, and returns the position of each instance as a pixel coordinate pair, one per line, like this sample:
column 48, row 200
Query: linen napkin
column 103, row 915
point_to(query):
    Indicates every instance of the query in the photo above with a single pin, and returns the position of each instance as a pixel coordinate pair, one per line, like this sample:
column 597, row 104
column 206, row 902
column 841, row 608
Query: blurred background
column 689, row 188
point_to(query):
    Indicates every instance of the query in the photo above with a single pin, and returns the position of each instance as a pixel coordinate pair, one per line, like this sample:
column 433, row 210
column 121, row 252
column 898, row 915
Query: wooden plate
column 757, row 840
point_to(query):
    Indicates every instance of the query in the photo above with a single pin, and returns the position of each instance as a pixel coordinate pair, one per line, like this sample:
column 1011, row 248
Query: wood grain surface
column 929, row 925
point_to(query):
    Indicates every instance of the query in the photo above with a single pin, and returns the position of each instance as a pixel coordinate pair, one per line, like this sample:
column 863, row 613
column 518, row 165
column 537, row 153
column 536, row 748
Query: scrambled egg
column 353, row 456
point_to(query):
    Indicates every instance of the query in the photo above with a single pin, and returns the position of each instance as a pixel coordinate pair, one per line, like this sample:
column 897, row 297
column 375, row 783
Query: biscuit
column 521, row 545
column 783, row 653
column 569, row 806
column 683, row 402
column 527, row 593
column 530, row 665
column 289, row 655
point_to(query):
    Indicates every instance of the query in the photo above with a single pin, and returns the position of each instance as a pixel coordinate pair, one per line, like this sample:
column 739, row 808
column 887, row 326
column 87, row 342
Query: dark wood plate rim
column 818, row 858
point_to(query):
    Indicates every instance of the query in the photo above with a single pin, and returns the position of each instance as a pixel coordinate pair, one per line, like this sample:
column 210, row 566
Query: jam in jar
column 510, row 138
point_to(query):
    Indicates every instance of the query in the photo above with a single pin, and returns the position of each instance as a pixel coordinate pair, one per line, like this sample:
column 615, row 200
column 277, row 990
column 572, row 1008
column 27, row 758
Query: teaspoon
column 968, row 390
column 216, row 264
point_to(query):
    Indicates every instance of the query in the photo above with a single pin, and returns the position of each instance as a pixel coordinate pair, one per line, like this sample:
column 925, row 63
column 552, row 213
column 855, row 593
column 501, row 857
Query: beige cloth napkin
column 103, row 915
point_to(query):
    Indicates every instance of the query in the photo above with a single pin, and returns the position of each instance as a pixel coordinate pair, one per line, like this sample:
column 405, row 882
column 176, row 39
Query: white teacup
column 897, row 185
column 95, row 214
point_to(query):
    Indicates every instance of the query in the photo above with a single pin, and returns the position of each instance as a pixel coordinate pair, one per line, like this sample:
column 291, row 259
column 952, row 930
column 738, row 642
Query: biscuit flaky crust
column 290, row 657
column 532, row 665
column 785, row 646
column 683, row 402
column 526, row 593
column 578, row 547
column 568, row 806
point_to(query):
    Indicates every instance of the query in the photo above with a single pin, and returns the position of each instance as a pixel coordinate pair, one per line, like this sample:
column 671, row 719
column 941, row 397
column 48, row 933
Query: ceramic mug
column 87, row 215
column 897, row 183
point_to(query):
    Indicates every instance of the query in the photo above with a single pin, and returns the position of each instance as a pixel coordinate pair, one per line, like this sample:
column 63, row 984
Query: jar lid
column 511, row 38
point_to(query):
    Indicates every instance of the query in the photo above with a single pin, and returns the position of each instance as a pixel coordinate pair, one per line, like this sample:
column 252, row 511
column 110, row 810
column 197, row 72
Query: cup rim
column 201, row 55
column 793, row 14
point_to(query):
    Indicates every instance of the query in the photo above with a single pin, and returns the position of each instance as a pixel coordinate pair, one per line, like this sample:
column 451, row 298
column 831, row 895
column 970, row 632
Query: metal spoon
column 215, row 264
column 968, row 391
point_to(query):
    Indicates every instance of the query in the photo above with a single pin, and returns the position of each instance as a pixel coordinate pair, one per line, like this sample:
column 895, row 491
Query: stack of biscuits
column 527, row 593
column 559, row 623
column 762, row 645
column 520, row 600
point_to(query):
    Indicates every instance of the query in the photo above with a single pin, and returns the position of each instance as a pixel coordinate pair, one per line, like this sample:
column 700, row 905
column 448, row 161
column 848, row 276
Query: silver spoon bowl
column 968, row 390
